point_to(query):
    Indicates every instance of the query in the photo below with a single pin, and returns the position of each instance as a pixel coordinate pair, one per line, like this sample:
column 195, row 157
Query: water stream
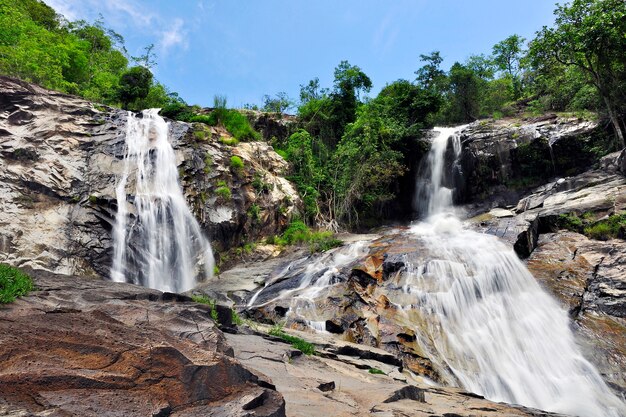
column 157, row 241
column 498, row 331
column 478, row 313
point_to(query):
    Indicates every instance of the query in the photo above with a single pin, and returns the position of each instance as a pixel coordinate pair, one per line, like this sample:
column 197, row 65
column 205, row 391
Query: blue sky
column 245, row 49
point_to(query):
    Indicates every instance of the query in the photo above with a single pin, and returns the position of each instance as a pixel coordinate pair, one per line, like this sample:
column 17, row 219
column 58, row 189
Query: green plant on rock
column 236, row 318
column 13, row 283
column 204, row 299
column 376, row 371
column 297, row 342
column 229, row 141
column 236, row 163
column 223, row 192
column 254, row 212
column 208, row 162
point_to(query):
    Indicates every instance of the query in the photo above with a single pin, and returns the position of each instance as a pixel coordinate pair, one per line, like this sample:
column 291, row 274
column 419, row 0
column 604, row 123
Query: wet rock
column 86, row 347
column 589, row 278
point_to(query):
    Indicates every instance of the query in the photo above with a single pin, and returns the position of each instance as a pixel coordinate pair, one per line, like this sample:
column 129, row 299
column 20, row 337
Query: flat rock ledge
column 85, row 347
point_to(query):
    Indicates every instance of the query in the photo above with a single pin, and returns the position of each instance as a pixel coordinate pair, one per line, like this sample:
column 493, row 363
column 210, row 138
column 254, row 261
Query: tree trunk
column 617, row 126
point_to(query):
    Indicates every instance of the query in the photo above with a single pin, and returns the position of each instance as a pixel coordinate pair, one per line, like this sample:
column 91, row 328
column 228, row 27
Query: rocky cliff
column 503, row 159
column 59, row 159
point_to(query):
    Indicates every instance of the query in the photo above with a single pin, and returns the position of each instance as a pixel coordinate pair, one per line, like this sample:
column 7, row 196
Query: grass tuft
column 13, row 283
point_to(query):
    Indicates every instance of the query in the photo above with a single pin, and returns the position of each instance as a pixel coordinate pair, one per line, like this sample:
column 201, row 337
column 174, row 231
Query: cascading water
column 157, row 241
column 498, row 331
column 479, row 315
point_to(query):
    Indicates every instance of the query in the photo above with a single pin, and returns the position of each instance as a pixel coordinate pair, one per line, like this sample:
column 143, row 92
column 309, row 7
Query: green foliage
column 254, row 212
column 261, row 186
column 204, row 299
column 223, row 191
column 229, row 141
column 236, row 318
column 13, row 283
column 376, row 371
column 589, row 37
column 611, row 227
column 236, row 163
column 298, row 343
column 39, row 46
column 298, row 233
column 277, row 104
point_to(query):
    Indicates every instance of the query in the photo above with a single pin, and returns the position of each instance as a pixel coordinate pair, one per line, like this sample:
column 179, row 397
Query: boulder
column 80, row 346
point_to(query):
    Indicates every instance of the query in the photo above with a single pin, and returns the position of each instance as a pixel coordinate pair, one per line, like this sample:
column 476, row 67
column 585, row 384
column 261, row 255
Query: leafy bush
column 236, row 163
column 223, row 191
column 13, row 283
column 254, row 212
column 299, row 233
column 613, row 227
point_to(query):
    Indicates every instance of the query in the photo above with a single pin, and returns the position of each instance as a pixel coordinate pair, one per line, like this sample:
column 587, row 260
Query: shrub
column 298, row 232
column 13, row 283
column 224, row 192
column 254, row 212
column 229, row 141
column 323, row 241
column 236, row 163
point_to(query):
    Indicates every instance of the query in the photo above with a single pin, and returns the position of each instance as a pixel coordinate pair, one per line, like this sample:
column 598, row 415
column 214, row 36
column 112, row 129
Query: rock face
column 59, row 158
column 502, row 159
column 589, row 279
column 337, row 382
column 86, row 347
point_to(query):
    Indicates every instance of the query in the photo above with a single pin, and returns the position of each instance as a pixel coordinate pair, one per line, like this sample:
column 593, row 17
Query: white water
column 157, row 241
column 499, row 332
column 314, row 280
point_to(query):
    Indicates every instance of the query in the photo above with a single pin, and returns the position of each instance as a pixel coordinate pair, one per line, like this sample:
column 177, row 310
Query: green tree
column 280, row 103
column 134, row 85
column 590, row 35
column 507, row 56
column 430, row 75
column 465, row 89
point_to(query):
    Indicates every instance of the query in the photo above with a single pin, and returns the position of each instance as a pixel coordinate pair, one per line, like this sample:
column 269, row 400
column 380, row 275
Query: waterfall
column 157, row 241
column 497, row 330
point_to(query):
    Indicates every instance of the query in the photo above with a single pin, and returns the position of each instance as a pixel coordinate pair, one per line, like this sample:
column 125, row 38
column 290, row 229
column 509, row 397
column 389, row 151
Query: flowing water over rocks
column 455, row 305
column 162, row 246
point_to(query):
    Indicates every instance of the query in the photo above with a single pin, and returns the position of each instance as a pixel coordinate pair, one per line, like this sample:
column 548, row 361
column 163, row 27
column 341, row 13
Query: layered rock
column 87, row 347
column 59, row 160
column 339, row 381
column 588, row 277
column 502, row 159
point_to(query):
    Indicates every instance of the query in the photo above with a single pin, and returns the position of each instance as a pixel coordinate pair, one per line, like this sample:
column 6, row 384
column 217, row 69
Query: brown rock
column 91, row 348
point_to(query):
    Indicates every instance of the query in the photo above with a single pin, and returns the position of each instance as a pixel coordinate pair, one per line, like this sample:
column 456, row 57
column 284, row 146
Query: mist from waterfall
column 157, row 241
column 497, row 330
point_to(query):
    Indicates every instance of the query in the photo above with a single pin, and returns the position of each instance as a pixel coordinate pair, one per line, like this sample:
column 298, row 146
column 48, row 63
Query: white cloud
column 174, row 36
column 65, row 7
